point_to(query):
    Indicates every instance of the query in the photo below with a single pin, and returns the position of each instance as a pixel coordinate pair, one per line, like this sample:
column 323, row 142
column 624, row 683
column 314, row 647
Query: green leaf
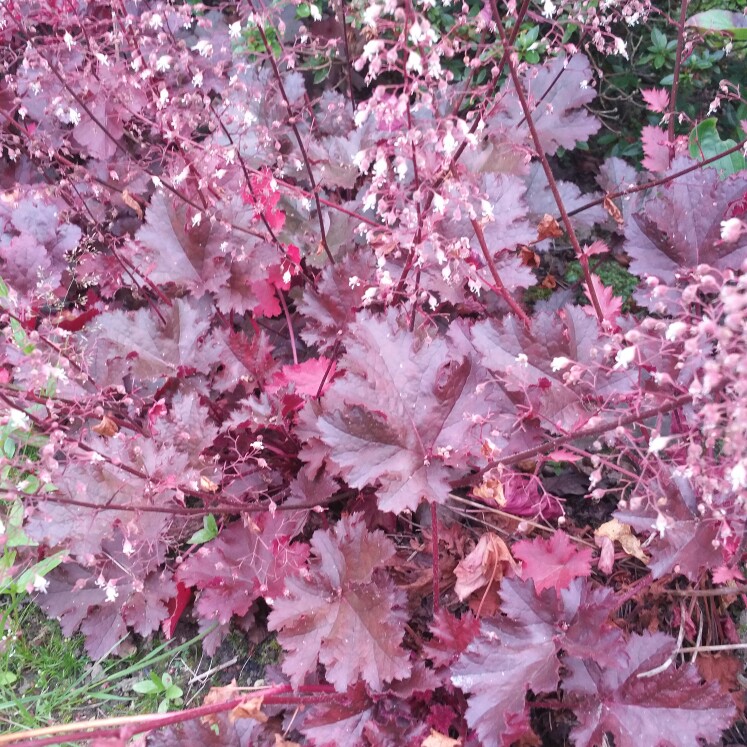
column 42, row 568
column 209, row 531
column 147, row 687
column 532, row 35
column 14, row 534
column 320, row 75
column 716, row 20
column 7, row 678
column 173, row 692
column 9, row 448
column 658, row 39
column 705, row 142
column 29, row 484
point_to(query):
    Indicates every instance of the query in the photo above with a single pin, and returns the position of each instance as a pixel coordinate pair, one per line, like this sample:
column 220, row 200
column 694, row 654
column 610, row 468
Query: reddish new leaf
column 552, row 563
column 657, row 99
column 451, row 636
column 346, row 613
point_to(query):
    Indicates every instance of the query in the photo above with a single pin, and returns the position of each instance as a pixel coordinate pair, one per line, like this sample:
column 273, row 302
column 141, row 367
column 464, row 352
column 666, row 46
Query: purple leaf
column 401, row 414
column 669, row 708
column 346, row 614
column 557, row 93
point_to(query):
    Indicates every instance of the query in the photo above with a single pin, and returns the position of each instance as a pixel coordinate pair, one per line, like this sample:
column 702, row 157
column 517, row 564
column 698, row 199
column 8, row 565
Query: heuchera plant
column 271, row 358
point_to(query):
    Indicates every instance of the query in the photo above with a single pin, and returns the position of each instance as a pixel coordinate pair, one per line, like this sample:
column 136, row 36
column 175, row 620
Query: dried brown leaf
column 486, row 564
column 548, row 228
column 251, row 708
column 106, row 428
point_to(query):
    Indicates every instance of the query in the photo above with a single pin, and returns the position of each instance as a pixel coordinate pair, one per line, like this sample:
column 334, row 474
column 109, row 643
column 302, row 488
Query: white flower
column 731, row 230
column 661, row 524
column 522, row 360
column 69, row 41
column 234, row 30
column 548, row 11
column 416, row 33
column 371, row 14
column 109, row 587
column 203, row 47
column 40, row 584
column 675, row 330
column 738, row 476
column 559, row 363
column 19, row 419
column 163, row 63
column 415, row 63
column 625, row 357
column 449, row 143
column 620, row 47
column 657, row 443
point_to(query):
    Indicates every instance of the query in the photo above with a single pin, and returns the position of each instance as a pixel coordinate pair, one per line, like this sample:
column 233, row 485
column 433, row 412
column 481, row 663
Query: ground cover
column 373, row 373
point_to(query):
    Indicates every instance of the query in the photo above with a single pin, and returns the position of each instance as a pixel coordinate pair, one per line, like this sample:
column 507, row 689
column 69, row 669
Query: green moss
column 612, row 274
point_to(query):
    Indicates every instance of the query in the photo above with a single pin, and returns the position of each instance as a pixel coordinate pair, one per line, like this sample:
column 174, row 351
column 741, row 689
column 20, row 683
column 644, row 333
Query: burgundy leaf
column 656, row 149
column 669, row 708
column 401, row 414
column 557, row 93
column 245, row 562
column 497, row 669
column 679, row 225
column 684, row 541
column 346, row 614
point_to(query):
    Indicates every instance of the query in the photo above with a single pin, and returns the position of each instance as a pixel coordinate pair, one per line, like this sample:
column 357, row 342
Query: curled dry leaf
column 218, row 695
column 549, row 282
column 528, row 257
column 251, row 708
column 615, row 531
column 491, row 489
column 613, row 210
column 486, row 564
column 106, row 428
column 131, row 202
column 207, row 484
column 281, row 741
column 548, row 228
